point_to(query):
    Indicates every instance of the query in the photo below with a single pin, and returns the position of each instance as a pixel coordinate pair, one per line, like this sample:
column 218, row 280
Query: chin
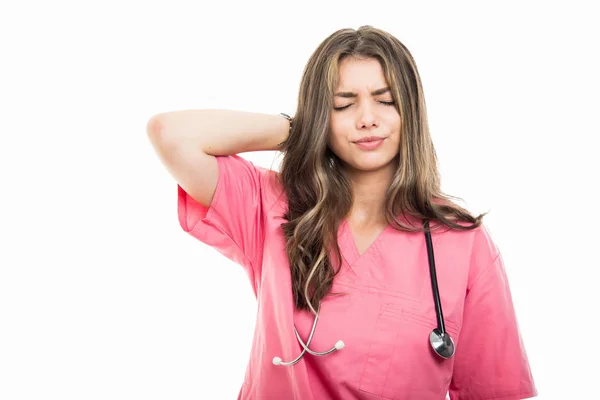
column 371, row 163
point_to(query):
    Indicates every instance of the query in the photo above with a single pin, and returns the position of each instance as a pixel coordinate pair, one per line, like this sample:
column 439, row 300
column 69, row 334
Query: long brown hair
column 320, row 195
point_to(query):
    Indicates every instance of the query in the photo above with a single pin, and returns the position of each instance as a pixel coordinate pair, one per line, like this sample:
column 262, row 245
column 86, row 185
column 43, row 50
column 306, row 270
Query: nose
column 367, row 117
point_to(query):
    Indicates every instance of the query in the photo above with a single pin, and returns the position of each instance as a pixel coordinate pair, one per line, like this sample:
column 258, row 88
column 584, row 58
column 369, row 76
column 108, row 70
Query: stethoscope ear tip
column 276, row 360
column 339, row 345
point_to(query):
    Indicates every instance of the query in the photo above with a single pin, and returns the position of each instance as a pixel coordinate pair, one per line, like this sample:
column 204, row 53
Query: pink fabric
column 385, row 320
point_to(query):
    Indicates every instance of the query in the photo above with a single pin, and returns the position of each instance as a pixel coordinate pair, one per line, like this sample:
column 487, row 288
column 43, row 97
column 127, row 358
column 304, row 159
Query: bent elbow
column 154, row 129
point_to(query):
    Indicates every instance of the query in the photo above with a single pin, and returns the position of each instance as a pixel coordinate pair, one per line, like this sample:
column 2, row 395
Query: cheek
column 335, row 135
column 332, row 142
column 338, row 141
column 336, row 145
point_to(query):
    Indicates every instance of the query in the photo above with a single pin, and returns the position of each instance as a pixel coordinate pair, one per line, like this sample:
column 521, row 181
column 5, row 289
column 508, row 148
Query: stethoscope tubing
column 434, row 283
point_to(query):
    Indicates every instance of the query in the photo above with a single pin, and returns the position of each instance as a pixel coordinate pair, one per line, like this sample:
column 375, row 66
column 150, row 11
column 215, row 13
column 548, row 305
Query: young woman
column 371, row 283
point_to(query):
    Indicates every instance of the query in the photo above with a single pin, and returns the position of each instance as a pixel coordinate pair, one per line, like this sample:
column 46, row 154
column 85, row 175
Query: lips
column 369, row 139
column 370, row 145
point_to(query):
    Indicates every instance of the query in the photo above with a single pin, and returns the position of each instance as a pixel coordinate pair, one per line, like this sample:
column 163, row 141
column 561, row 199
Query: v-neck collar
column 349, row 249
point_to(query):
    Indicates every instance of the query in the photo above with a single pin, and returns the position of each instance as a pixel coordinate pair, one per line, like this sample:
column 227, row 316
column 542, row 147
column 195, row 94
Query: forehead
column 362, row 75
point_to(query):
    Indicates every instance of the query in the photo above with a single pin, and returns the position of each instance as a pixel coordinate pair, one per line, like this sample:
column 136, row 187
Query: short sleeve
column 234, row 223
column 490, row 360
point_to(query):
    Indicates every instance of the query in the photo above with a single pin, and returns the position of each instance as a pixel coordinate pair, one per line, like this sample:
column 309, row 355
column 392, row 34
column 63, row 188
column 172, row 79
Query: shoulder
column 272, row 191
column 477, row 240
column 249, row 173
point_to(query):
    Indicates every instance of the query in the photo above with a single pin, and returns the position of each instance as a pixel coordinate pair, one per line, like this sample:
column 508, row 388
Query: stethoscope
column 440, row 340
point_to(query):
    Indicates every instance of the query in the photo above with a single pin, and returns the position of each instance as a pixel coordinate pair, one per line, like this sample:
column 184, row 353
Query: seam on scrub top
column 348, row 242
column 211, row 211
column 484, row 271
column 405, row 314
column 389, row 369
column 270, row 207
column 451, row 324
column 372, row 289
column 510, row 394
column 248, row 260
column 483, row 227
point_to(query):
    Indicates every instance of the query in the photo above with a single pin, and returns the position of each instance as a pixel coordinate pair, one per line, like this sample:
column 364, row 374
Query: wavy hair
column 318, row 192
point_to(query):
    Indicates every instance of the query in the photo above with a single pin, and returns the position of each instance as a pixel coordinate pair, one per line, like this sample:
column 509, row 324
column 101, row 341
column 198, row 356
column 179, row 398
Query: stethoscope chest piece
column 442, row 343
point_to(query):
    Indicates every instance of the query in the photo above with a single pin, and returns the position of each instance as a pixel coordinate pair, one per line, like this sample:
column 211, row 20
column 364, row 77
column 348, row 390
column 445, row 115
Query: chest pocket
column 401, row 363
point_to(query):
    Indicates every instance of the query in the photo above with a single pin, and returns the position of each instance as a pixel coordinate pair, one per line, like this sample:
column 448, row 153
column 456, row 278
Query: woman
column 334, row 245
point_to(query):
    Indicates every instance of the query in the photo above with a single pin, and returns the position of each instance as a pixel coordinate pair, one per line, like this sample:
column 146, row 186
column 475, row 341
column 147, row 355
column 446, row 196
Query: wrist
column 284, row 115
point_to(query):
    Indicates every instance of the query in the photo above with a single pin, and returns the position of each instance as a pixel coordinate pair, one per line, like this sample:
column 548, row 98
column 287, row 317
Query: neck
column 369, row 190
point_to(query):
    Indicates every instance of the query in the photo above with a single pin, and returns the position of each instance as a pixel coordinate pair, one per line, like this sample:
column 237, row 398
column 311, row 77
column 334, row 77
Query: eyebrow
column 374, row 93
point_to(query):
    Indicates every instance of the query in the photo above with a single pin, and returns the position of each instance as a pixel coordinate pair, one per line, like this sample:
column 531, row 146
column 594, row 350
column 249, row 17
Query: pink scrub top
column 386, row 318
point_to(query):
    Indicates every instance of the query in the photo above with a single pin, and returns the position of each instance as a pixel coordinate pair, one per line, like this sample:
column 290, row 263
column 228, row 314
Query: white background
column 103, row 296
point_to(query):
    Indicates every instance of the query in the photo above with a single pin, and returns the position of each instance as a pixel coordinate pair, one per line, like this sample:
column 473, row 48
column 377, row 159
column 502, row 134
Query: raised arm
column 187, row 142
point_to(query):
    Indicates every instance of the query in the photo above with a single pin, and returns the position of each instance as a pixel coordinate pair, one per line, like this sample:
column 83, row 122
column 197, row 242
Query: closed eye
column 387, row 103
